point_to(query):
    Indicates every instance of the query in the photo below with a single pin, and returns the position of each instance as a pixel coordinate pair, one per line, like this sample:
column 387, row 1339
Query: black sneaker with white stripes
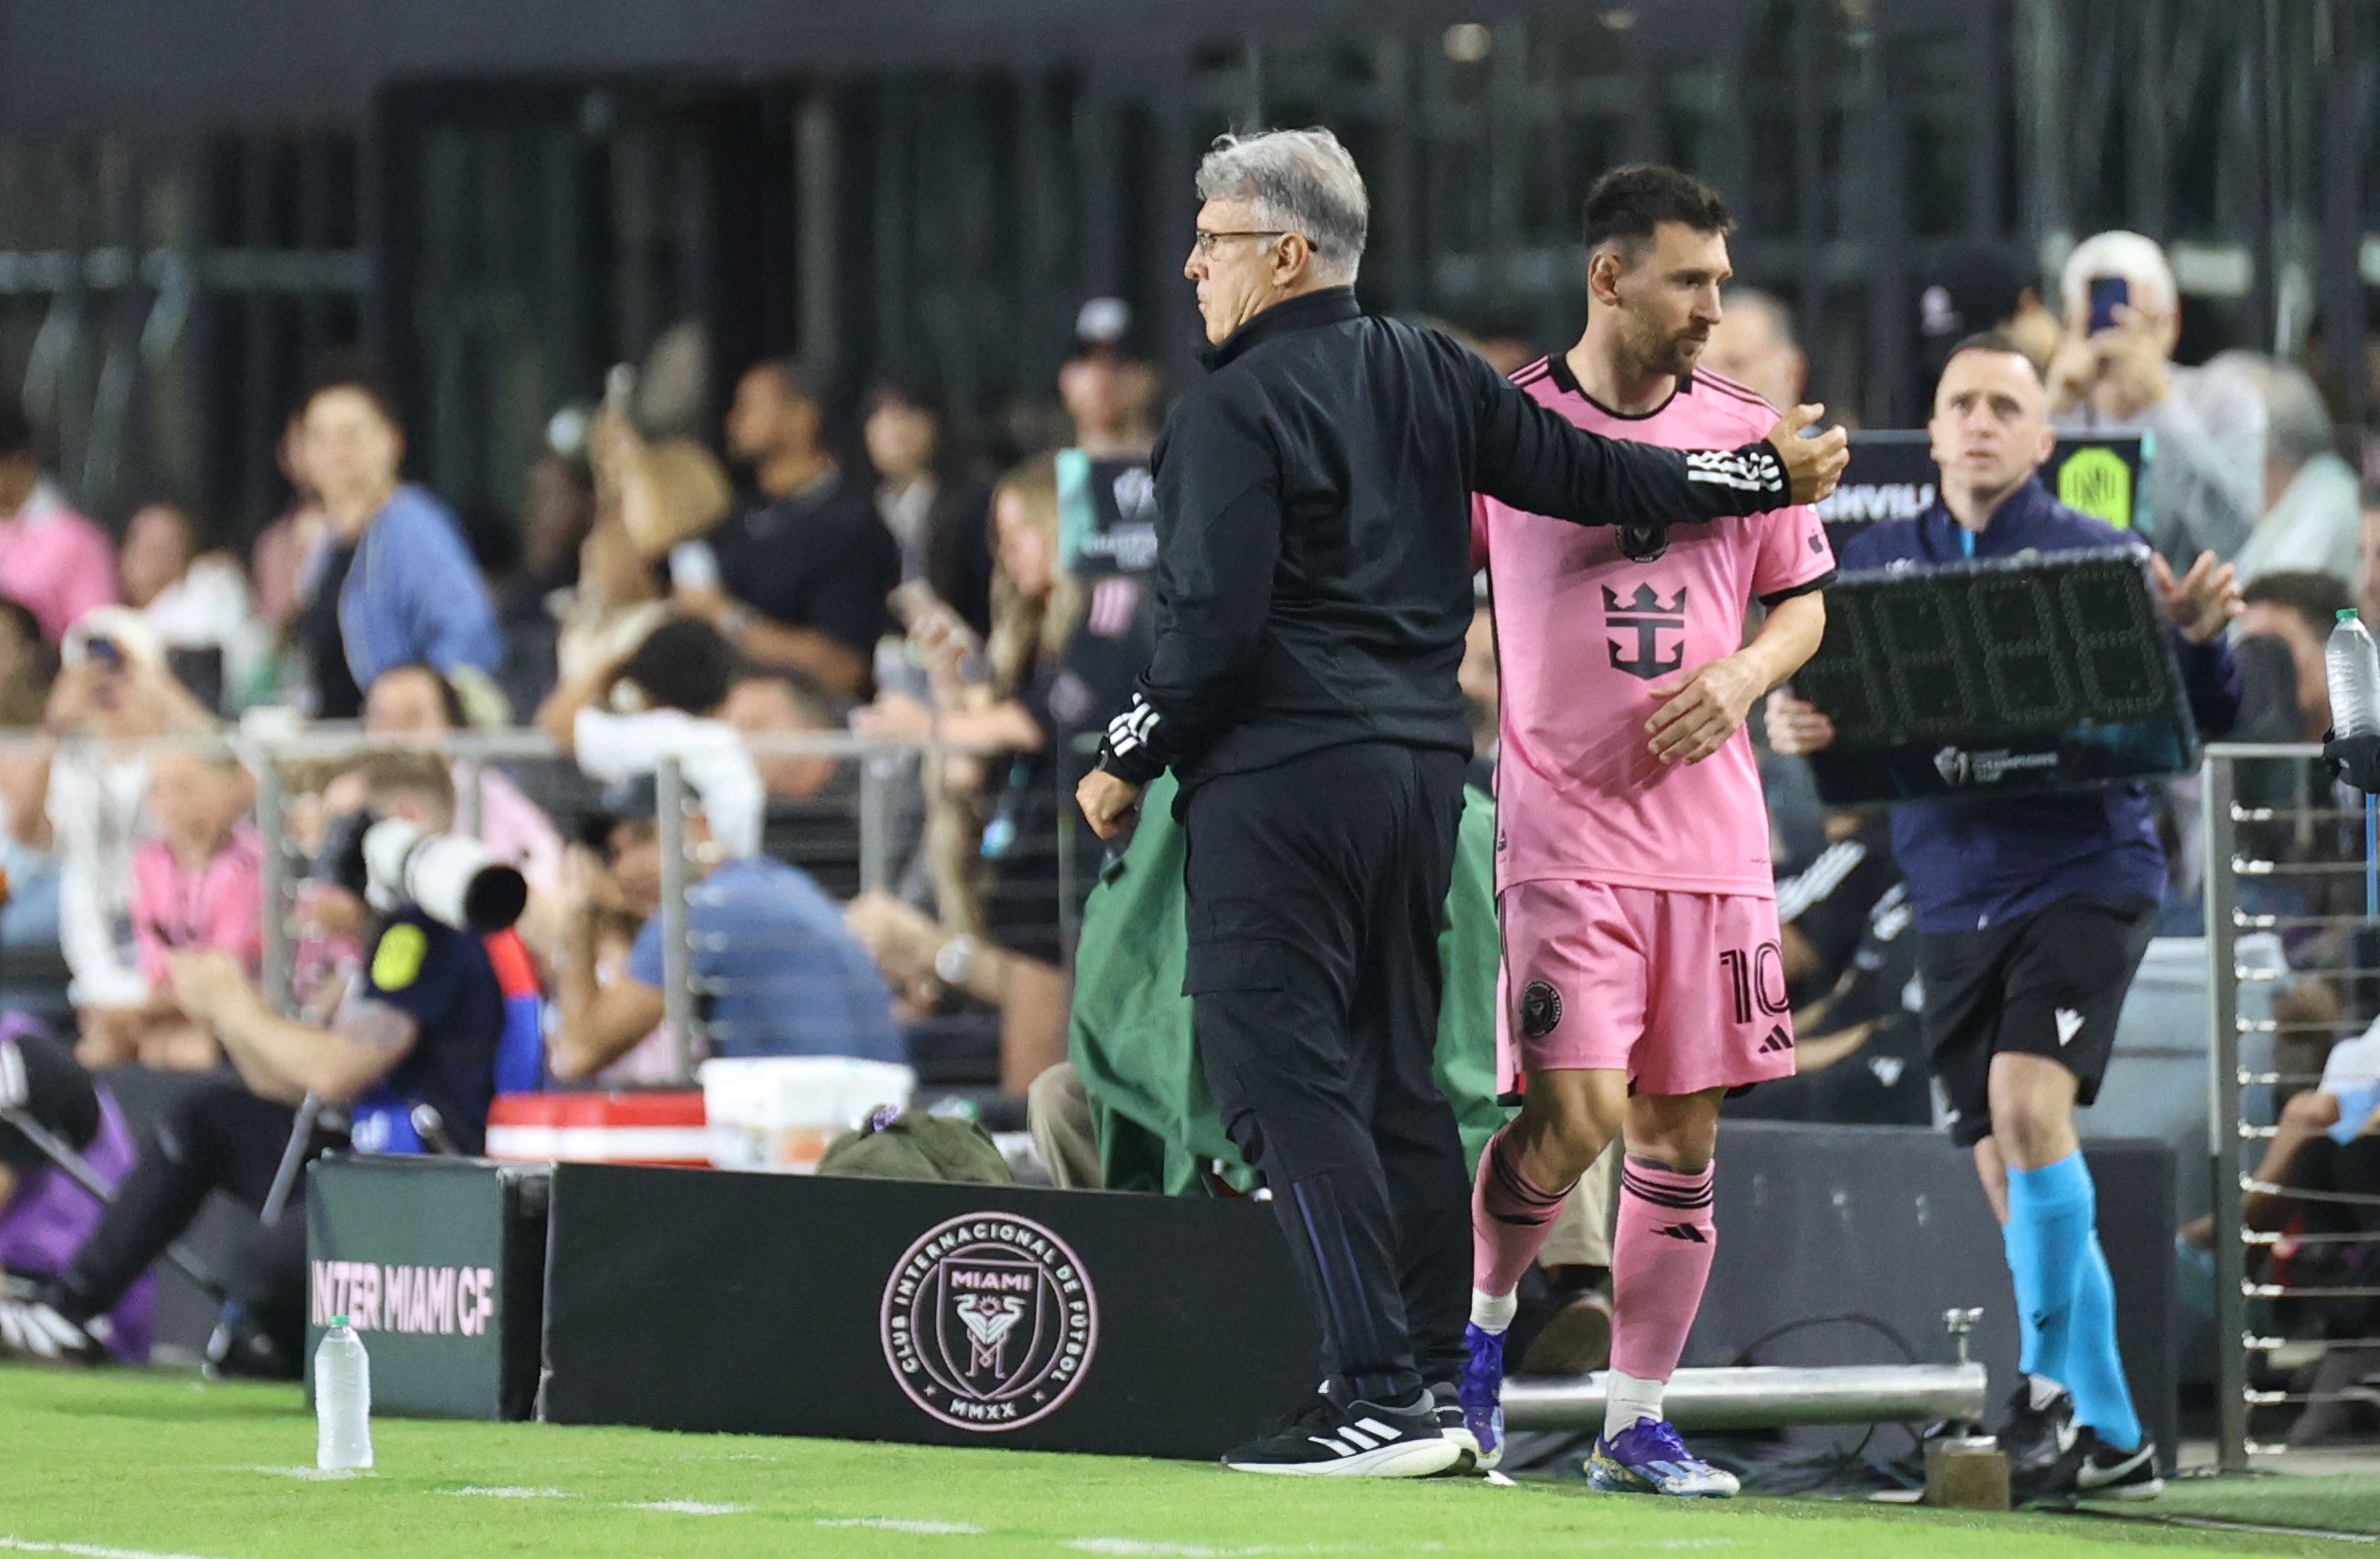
column 1448, row 1404
column 1354, row 1439
column 33, row 1328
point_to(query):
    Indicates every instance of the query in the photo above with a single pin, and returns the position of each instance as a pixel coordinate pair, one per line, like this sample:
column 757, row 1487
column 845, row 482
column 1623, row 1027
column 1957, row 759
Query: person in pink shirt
column 1643, row 976
column 51, row 559
column 197, row 884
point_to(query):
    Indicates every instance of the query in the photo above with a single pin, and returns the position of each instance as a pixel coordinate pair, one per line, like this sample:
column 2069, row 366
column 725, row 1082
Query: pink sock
column 1661, row 1258
column 1508, row 1218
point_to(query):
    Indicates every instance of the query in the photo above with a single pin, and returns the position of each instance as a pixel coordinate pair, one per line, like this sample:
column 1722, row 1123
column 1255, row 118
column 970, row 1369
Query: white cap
column 2135, row 258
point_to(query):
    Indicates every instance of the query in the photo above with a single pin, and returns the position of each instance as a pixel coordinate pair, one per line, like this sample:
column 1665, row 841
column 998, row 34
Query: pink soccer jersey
column 1582, row 637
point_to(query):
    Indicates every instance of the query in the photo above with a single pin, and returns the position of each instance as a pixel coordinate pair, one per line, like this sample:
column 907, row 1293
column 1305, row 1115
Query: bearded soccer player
column 1641, row 976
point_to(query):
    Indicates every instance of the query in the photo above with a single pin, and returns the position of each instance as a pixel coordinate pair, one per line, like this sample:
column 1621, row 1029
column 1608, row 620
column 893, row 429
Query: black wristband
column 1127, row 749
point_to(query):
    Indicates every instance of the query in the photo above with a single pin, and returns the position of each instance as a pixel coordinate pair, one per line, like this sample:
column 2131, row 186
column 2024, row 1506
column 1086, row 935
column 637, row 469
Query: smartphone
column 2108, row 294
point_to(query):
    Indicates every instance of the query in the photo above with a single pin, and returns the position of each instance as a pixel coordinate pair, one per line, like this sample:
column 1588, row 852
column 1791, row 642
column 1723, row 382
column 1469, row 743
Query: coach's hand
column 1109, row 804
column 1797, row 727
column 1813, row 464
column 1702, row 709
column 2203, row 602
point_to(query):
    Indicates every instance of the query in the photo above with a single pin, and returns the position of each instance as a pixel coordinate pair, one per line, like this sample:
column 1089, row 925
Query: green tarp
column 1130, row 1036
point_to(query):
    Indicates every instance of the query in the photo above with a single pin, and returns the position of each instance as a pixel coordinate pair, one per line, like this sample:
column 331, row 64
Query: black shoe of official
column 2039, row 1427
column 240, row 1349
column 2107, row 1473
column 2054, row 1480
column 1353, row 1439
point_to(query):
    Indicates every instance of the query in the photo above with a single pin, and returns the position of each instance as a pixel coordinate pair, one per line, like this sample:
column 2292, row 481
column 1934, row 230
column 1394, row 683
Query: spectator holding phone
column 2117, row 369
column 113, row 689
column 992, row 837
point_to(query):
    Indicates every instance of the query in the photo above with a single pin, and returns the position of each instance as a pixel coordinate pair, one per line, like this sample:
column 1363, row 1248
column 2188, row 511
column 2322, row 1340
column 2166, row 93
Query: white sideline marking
column 475, row 1492
column 19, row 1545
column 689, row 1507
column 1139, row 1548
column 311, row 1474
column 915, row 1528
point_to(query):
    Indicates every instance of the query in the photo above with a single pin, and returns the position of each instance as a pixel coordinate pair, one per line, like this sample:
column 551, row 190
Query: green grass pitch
column 135, row 1465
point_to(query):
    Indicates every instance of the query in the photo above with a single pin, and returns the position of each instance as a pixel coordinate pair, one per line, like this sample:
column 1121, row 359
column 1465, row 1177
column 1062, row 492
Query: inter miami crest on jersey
column 1645, row 617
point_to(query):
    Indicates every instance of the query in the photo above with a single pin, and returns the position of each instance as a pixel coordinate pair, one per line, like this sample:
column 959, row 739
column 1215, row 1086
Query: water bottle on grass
column 341, row 1401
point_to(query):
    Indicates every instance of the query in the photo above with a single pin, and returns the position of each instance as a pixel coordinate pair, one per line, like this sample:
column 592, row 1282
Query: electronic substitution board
column 2039, row 671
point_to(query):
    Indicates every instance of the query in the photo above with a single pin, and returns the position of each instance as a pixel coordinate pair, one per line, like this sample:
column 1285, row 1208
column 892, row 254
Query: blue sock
column 2049, row 1227
column 2094, row 1369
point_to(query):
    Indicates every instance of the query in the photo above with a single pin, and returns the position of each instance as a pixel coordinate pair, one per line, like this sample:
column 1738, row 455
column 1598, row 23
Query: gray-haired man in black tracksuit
column 1314, row 588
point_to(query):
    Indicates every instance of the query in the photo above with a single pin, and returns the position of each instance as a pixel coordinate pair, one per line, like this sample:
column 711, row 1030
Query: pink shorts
column 1683, row 991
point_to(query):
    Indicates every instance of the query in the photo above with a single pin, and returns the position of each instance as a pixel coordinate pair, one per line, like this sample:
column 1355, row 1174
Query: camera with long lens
column 454, row 879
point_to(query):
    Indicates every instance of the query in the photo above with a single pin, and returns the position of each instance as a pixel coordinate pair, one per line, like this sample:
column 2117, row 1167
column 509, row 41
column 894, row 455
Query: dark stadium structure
column 502, row 201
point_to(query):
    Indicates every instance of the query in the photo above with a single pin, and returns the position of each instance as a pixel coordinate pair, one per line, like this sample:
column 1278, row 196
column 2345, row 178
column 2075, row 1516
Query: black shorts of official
column 2048, row 983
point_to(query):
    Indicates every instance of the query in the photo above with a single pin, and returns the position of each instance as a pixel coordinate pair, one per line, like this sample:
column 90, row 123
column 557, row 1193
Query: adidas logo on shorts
column 1778, row 1041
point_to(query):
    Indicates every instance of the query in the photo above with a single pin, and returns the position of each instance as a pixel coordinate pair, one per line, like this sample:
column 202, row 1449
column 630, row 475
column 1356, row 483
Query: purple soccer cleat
column 1648, row 1458
column 1481, row 1392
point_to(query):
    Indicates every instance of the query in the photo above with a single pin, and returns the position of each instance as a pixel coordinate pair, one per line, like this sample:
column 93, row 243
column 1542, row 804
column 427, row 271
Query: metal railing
column 2284, row 851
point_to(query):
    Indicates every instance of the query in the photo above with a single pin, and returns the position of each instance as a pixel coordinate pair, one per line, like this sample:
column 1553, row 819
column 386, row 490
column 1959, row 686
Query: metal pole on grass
column 2222, row 1116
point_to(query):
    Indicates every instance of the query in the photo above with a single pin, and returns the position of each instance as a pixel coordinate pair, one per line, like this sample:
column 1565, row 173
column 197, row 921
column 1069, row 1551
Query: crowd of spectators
column 803, row 578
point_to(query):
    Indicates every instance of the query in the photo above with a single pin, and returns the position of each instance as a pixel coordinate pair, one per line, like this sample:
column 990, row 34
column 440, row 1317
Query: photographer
column 420, row 1025
column 2033, row 911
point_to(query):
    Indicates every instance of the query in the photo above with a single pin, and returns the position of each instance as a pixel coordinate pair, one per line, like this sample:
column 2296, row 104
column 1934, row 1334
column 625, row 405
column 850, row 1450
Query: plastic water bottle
column 342, row 1400
column 2354, row 667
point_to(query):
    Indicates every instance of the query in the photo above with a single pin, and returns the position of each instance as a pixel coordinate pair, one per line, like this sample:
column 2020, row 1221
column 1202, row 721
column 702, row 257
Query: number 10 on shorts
column 1750, row 977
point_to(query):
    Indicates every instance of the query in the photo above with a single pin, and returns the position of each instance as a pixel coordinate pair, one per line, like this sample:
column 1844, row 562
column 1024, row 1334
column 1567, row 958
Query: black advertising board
column 938, row 1314
column 2019, row 674
column 1892, row 476
column 438, row 1263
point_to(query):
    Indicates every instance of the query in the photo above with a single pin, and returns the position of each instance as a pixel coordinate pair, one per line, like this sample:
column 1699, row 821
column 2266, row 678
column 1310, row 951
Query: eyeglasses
column 1204, row 242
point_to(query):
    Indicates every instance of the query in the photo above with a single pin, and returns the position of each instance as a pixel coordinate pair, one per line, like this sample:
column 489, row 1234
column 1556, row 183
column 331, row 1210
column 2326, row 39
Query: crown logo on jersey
column 1648, row 617
column 1647, row 599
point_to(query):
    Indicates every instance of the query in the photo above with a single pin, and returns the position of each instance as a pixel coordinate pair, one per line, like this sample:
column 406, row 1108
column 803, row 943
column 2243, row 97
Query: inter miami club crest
column 1648, row 617
column 1541, row 1009
column 989, row 1322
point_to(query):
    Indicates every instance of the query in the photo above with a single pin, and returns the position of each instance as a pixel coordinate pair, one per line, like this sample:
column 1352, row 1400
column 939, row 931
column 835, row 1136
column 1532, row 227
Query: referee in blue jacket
column 2033, row 913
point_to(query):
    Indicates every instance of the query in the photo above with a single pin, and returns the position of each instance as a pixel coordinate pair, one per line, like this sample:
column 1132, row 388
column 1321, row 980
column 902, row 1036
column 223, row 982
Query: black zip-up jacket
column 1314, row 534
